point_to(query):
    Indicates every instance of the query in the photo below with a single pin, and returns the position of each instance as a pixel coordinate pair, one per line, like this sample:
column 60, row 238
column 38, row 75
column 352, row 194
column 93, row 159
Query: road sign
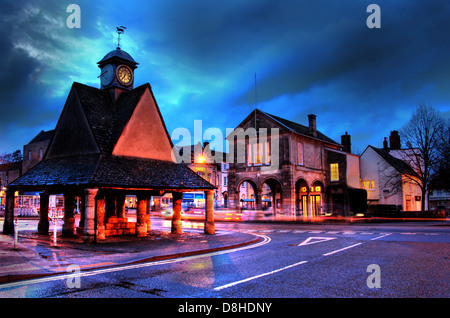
column 315, row 239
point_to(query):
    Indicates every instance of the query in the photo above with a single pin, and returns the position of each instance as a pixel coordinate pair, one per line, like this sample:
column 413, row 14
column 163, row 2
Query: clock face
column 124, row 75
column 107, row 75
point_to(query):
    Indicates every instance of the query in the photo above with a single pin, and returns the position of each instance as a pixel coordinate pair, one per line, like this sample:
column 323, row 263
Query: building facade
column 285, row 168
column 388, row 179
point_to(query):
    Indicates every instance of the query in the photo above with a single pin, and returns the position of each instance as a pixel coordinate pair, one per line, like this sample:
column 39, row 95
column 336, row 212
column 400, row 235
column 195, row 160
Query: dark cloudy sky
column 201, row 56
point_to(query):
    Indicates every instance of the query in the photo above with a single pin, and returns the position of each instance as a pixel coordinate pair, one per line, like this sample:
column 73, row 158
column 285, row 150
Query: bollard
column 55, row 222
column 16, row 233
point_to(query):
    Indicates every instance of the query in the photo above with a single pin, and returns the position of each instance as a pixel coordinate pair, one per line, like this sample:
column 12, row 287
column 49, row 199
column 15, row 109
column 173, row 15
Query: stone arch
column 248, row 195
column 302, row 197
column 271, row 195
column 317, row 198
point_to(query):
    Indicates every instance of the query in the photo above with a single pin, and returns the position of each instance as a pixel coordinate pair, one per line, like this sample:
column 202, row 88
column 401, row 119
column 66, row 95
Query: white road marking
column 376, row 238
column 55, row 277
column 260, row 275
column 313, row 240
column 342, row 249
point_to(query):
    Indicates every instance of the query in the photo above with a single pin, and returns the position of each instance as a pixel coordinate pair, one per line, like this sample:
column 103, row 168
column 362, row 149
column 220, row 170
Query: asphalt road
column 291, row 260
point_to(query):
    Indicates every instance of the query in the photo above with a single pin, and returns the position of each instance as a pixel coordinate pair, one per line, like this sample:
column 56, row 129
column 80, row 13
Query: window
column 368, row 185
column 300, row 153
column 258, row 154
column 201, row 174
column 40, row 153
column 334, row 168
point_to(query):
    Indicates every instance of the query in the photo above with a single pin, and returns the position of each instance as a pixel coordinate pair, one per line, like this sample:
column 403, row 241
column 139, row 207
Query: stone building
column 34, row 151
column 289, row 169
column 108, row 143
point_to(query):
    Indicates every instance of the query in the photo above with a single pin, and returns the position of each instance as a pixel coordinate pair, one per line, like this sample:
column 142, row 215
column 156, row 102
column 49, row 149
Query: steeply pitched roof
column 43, row 135
column 111, row 171
column 118, row 53
column 300, row 129
column 106, row 120
column 291, row 126
column 396, row 163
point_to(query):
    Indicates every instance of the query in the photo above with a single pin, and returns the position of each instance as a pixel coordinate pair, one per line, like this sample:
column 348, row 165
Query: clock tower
column 117, row 70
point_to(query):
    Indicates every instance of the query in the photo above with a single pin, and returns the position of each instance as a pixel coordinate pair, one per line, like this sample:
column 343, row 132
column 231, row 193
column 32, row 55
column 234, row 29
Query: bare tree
column 443, row 173
column 422, row 136
column 15, row 156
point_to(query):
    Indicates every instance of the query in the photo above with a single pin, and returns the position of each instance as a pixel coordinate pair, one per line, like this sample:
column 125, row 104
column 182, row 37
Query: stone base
column 119, row 226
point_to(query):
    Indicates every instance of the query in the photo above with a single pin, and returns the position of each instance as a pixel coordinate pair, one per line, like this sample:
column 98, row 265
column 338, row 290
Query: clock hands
column 102, row 74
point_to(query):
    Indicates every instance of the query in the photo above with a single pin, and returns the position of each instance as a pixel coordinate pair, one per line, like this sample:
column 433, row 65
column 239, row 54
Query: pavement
column 35, row 256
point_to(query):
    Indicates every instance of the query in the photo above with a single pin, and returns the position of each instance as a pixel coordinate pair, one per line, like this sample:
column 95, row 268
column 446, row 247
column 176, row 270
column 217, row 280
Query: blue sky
column 201, row 56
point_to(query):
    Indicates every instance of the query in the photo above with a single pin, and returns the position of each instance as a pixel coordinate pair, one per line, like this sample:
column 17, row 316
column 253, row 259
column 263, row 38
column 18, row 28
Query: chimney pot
column 346, row 143
column 394, row 140
column 312, row 124
column 385, row 144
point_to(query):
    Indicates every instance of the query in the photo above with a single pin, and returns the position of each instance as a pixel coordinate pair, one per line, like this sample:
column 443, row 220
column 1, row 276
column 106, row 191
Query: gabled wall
column 145, row 135
column 73, row 135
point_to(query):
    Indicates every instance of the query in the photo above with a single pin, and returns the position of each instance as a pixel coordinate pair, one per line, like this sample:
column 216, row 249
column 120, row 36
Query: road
column 290, row 260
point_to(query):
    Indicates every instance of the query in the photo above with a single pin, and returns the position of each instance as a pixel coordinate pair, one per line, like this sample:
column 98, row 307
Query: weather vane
column 120, row 30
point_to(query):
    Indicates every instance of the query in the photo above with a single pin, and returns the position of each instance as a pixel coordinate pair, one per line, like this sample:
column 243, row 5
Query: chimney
column 346, row 143
column 312, row 124
column 385, row 144
column 394, row 140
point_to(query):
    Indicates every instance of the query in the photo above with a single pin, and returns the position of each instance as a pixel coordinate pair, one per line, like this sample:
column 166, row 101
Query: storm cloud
column 201, row 57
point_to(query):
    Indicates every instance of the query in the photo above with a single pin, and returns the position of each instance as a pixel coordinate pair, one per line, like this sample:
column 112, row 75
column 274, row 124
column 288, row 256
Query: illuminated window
column 334, row 168
column 368, row 185
column 300, row 153
column 258, row 154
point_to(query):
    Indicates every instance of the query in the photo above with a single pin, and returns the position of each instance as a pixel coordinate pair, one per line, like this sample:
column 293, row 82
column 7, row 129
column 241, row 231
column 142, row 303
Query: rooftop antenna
column 255, row 102
column 120, row 30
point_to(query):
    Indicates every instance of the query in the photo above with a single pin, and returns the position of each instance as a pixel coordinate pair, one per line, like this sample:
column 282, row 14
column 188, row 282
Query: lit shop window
column 368, row 185
column 258, row 154
column 334, row 168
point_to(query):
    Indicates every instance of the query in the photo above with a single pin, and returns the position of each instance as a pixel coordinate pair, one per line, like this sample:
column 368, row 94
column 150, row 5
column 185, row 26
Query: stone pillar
column 141, row 212
column 177, row 225
column 80, row 228
column 147, row 216
column 100, row 210
column 209, row 213
column 43, row 224
column 68, row 228
column 8, row 225
column 89, row 215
